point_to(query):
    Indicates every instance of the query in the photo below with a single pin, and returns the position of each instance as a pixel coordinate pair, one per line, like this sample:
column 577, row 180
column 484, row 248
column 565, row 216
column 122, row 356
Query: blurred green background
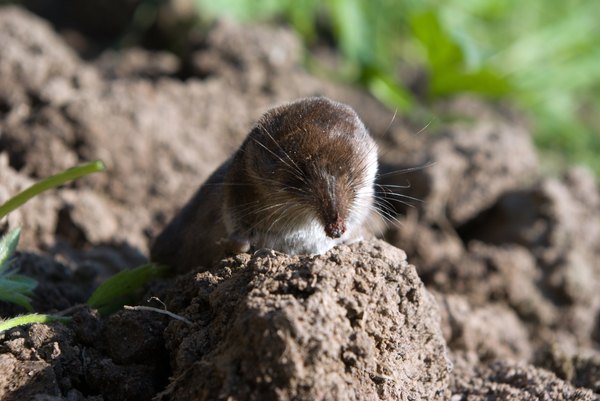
column 543, row 56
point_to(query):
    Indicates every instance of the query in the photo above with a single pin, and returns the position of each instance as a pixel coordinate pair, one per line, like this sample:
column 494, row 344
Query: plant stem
column 164, row 312
column 50, row 182
column 29, row 319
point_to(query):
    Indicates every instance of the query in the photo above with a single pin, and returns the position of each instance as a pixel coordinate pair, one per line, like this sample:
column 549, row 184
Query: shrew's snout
column 336, row 227
column 334, row 201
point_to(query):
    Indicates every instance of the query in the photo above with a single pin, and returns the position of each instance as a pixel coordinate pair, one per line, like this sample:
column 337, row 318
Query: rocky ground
column 488, row 291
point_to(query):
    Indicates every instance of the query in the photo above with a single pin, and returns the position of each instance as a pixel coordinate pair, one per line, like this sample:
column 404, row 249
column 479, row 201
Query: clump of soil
column 507, row 257
column 354, row 324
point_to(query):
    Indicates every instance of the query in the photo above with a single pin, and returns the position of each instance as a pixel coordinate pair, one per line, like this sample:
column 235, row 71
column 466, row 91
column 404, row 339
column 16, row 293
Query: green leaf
column 50, row 182
column 241, row 10
column 483, row 81
column 29, row 319
column 17, row 285
column 14, row 288
column 387, row 90
column 23, row 280
column 15, row 297
column 303, row 17
column 352, row 29
column 123, row 287
column 443, row 52
column 8, row 245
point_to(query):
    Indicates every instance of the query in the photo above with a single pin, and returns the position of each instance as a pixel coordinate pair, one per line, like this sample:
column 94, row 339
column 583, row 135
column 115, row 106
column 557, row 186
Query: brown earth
column 508, row 307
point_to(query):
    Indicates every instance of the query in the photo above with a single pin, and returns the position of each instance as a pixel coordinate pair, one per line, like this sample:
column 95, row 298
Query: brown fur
column 302, row 159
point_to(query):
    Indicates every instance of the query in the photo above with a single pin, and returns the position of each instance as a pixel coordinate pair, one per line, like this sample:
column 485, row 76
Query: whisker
column 250, row 210
column 396, row 195
column 274, row 183
column 385, row 214
column 424, row 128
column 266, row 131
column 387, row 130
column 384, row 204
column 275, row 221
column 408, row 169
column 227, row 184
column 364, row 166
column 385, row 187
column 294, row 170
column 388, row 202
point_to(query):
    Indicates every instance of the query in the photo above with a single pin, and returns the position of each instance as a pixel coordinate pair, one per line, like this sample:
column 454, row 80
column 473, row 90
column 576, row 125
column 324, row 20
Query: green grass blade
column 17, row 283
column 388, row 91
column 21, row 279
column 50, row 182
column 443, row 51
column 29, row 319
column 8, row 245
column 483, row 81
column 15, row 297
column 122, row 287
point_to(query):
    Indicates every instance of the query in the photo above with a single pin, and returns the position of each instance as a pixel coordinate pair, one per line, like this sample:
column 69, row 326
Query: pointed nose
column 335, row 228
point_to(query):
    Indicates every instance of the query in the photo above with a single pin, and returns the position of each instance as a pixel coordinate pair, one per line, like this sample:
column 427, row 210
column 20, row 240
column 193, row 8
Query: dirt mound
column 353, row 324
column 509, row 256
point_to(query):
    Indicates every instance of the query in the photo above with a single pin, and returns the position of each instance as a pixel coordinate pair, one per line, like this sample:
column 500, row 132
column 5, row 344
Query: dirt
column 354, row 324
column 494, row 295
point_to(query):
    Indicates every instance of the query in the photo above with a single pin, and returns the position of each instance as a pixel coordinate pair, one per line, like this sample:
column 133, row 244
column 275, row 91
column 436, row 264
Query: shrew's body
column 301, row 182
